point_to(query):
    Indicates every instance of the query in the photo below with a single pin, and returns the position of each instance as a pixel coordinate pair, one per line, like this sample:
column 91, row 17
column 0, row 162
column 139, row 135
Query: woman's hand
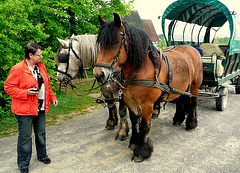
column 55, row 102
column 31, row 93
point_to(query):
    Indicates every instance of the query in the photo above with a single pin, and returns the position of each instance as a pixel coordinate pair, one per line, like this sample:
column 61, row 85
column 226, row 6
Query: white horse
column 81, row 51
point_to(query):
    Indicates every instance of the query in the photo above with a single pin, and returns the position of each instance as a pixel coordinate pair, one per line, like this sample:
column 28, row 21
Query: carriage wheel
column 237, row 87
column 221, row 101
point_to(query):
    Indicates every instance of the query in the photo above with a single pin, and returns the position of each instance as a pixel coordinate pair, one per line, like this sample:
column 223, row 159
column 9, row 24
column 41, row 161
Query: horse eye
column 117, row 42
column 64, row 47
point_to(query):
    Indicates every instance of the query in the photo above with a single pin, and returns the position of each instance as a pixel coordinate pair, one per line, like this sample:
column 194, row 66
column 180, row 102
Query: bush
column 41, row 21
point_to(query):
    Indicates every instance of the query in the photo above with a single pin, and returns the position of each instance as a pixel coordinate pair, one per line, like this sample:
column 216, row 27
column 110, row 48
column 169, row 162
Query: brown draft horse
column 126, row 46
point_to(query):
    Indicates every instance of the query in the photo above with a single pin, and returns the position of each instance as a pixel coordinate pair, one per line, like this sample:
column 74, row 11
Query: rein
column 69, row 82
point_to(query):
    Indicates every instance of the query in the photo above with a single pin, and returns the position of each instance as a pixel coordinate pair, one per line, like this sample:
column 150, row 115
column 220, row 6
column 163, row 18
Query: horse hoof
column 120, row 138
column 132, row 147
column 137, row 159
column 177, row 123
column 109, row 127
column 190, row 128
column 191, row 125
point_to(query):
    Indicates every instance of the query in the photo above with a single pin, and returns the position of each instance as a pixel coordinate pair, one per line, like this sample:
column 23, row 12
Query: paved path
column 83, row 145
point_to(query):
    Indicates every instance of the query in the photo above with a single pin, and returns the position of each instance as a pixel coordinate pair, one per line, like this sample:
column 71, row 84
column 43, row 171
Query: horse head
column 122, row 45
column 113, row 48
column 68, row 60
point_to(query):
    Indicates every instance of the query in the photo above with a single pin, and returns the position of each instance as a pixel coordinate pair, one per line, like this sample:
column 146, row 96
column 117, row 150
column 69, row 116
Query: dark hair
column 138, row 42
column 31, row 48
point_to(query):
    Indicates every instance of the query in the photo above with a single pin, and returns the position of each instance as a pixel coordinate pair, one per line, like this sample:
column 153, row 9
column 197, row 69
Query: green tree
column 162, row 42
column 222, row 40
column 41, row 21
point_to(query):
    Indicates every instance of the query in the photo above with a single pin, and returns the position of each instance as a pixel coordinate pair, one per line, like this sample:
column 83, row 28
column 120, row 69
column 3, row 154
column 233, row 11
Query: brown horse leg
column 191, row 122
column 112, row 120
column 144, row 148
column 122, row 132
column 182, row 103
column 140, row 142
column 156, row 108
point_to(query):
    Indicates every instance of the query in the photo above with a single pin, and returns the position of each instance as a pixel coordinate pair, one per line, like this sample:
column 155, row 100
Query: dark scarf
column 40, row 82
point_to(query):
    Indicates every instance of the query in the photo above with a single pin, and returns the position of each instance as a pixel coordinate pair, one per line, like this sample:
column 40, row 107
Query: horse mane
column 138, row 42
column 88, row 49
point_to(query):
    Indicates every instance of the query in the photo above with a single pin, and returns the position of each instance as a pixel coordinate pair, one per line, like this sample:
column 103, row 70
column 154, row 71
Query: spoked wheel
column 237, row 87
column 221, row 101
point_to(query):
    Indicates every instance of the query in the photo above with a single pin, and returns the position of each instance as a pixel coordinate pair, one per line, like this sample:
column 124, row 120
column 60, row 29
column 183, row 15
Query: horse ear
column 101, row 20
column 72, row 36
column 62, row 42
column 117, row 20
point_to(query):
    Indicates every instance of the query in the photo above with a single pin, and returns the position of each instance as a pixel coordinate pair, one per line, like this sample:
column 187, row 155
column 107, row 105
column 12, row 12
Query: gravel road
column 82, row 144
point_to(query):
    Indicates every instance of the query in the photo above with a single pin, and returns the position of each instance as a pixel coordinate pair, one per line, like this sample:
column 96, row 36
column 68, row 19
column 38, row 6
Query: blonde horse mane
column 88, row 49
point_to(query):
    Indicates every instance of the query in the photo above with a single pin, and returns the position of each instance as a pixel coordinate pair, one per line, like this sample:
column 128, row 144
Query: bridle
column 110, row 66
column 64, row 58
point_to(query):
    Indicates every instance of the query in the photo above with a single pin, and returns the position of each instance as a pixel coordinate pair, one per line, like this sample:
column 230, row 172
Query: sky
column 151, row 9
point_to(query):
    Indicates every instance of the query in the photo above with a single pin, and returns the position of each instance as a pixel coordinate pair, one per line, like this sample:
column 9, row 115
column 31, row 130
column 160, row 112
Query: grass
column 70, row 105
column 8, row 126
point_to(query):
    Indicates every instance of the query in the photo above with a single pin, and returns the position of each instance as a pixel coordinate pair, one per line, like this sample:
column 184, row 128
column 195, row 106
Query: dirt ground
column 84, row 145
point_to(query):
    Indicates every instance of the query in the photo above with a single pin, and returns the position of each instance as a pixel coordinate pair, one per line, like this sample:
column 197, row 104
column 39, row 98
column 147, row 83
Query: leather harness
column 166, row 88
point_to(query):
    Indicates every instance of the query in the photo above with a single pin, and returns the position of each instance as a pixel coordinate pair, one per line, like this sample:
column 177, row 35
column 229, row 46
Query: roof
column 134, row 19
column 150, row 29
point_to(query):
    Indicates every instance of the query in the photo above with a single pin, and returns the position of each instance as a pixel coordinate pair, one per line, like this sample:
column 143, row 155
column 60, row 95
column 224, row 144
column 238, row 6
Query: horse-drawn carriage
column 196, row 22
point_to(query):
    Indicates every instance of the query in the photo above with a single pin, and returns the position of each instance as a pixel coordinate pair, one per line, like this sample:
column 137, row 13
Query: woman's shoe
column 24, row 170
column 46, row 161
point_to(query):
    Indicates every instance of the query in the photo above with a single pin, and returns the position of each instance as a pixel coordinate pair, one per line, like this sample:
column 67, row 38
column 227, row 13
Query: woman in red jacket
column 29, row 86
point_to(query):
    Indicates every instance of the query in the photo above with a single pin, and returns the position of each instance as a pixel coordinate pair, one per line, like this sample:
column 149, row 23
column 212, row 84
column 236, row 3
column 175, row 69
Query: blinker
column 63, row 58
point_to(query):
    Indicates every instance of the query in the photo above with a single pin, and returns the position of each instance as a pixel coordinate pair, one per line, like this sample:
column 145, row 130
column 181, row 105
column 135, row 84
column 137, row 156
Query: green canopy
column 205, row 13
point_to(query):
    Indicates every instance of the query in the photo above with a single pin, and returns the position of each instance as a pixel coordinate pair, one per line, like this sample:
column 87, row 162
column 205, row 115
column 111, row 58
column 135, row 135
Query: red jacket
column 20, row 79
